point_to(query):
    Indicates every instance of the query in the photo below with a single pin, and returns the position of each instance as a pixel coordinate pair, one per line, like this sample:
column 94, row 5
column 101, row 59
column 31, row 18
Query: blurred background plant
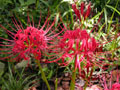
column 16, row 79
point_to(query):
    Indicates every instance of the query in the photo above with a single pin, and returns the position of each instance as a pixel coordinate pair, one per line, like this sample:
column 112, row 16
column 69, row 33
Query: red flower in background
column 83, row 14
column 75, row 44
column 116, row 86
column 110, row 84
column 77, row 12
column 26, row 42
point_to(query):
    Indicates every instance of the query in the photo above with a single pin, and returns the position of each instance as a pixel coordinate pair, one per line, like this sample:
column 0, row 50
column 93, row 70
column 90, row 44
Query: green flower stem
column 88, row 77
column 72, row 84
column 86, row 85
column 56, row 82
column 43, row 75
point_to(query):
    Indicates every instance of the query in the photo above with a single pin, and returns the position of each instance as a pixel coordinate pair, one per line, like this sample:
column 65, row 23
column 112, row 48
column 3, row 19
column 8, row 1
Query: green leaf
column 45, row 3
column 28, row 2
column 57, row 19
column 2, row 66
column 105, row 13
column 112, row 16
column 66, row 12
column 113, row 8
column 22, row 2
column 97, row 15
column 21, row 64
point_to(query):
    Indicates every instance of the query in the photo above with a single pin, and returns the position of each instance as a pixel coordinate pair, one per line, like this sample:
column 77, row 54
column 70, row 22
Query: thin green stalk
column 71, row 17
column 56, row 82
column 37, row 3
column 72, row 84
column 43, row 75
column 86, row 85
column 88, row 77
column 108, row 30
column 114, row 43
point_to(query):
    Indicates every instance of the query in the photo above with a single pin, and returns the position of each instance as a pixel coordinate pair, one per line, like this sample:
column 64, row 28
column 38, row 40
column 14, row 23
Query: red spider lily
column 76, row 11
column 27, row 42
column 83, row 14
column 88, row 11
column 116, row 86
column 76, row 44
column 110, row 85
column 82, row 8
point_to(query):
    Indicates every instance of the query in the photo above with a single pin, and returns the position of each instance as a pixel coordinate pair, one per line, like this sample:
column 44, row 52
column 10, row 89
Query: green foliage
column 16, row 80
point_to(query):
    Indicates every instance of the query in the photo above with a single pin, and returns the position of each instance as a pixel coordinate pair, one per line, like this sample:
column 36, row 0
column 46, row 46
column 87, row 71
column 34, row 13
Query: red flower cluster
column 111, row 85
column 29, row 41
column 83, row 14
column 26, row 42
column 78, row 45
column 116, row 86
column 74, row 44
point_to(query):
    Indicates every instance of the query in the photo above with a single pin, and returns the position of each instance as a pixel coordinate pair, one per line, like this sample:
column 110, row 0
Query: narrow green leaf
column 112, row 17
column 57, row 19
column 113, row 8
column 45, row 3
column 97, row 15
column 105, row 14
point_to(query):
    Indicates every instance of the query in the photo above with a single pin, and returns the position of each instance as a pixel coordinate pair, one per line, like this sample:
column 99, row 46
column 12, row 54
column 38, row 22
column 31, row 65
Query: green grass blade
column 111, row 7
column 112, row 17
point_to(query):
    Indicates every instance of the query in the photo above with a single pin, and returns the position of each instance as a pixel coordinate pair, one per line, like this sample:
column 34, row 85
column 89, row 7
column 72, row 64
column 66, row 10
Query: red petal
column 88, row 11
column 82, row 8
column 76, row 11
